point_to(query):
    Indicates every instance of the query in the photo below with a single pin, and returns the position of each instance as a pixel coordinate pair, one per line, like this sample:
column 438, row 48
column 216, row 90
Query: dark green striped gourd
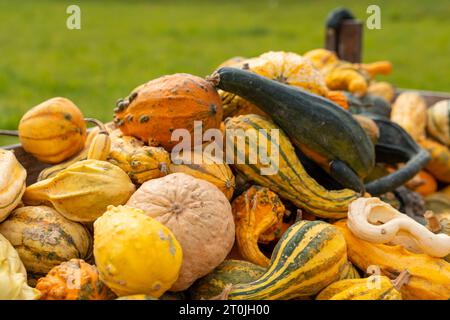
column 309, row 256
column 289, row 178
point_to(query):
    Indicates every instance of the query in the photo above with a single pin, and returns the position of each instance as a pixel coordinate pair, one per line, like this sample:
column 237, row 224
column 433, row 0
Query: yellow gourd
column 83, row 191
column 13, row 276
column 375, row 287
column 409, row 111
column 53, row 131
column 12, row 183
column 134, row 253
column 429, row 276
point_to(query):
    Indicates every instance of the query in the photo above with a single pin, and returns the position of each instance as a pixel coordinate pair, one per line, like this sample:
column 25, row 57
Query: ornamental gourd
column 210, row 169
column 382, row 89
column 438, row 202
column 343, row 149
column 228, row 272
column 439, row 165
column 375, row 221
column 350, row 272
column 438, row 126
column 410, row 112
column 375, row 287
column 12, row 182
column 44, row 238
column 258, row 215
column 155, row 109
column 140, row 162
column 285, row 67
column 53, row 131
column 13, row 276
column 73, row 280
column 423, row 183
column 309, row 256
column 290, row 180
column 429, row 276
column 197, row 213
column 134, row 253
column 82, row 191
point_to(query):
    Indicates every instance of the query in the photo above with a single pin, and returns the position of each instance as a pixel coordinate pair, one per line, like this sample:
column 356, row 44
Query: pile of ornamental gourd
column 117, row 214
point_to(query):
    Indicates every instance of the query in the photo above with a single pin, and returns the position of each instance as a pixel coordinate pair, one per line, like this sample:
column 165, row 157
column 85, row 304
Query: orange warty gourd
column 53, row 131
column 258, row 215
column 157, row 108
column 73, row 280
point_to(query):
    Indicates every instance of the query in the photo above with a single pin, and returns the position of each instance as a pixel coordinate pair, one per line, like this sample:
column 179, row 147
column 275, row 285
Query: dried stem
column 12, row 133
column 403, row 278
column 98, row 123
column 433, row 223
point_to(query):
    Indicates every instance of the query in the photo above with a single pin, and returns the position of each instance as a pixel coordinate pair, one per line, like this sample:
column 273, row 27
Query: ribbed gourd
column 140, row 162
column 13, row 276
column 73, row 280
column 209, row 168
column 309, row 256
column 429, row 276
column 258, row 217
column 376, row 287
column 53, row 131
column 285, row 67
column 350, row 272
column 228, row 272
column 44, row 238
column 82, row 191
column 438, row 126
column 410, row 112
column 134, row 253
column 12, row 183
column 288, row 179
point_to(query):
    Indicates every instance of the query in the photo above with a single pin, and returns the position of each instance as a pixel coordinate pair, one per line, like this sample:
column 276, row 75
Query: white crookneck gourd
column 375, row 221
column 12, row 182
column 13, row 276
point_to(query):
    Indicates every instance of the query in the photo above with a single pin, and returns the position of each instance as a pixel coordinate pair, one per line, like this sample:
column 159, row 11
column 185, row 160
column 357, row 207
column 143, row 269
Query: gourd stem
column 214, row 78
column 402, row 279
column 12, row 133
column 224, row 294
column 432, row 221
column 98, row 123
column 299, row 215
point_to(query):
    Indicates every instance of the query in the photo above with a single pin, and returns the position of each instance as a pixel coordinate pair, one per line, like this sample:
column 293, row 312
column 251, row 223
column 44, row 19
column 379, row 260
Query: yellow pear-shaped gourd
column 12, row 183
column 53, row 131
column 83, row 191
column 134, row 253
column 13, row 276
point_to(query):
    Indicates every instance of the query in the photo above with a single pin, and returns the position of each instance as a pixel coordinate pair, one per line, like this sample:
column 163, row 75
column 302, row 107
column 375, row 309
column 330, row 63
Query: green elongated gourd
column 320, row 128
column 309, row 256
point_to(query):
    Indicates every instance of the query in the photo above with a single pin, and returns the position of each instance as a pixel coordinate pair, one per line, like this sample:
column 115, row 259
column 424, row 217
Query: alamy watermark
column 238, row 146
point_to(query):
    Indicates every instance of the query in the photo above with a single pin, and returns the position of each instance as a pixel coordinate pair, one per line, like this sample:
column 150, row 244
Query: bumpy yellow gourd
column 83, row 191
column 375, row 287
column 53, row 131
column 13, row 276
column 12, row 183
column 140, row 162
column 134, row 253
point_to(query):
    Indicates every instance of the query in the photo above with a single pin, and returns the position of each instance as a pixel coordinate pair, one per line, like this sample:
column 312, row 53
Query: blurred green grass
column 122, row 44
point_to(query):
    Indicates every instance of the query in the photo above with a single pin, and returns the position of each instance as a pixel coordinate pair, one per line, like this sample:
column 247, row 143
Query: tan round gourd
column 438, row 125
column 198, row 214
column 409, row 111
column 12, row 182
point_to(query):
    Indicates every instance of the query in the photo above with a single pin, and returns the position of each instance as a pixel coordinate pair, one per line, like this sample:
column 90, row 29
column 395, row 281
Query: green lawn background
column 124, row 43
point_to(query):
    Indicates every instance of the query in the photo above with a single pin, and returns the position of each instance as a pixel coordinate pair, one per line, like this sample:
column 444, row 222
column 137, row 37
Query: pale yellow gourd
column 375, row 221
column 134, row 253
column 409, row 111
column 12, row 183
column 82, row 191
column 13, row 276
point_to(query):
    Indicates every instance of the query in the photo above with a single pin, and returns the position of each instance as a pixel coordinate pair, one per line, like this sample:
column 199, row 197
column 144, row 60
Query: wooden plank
column 30, row 163
column 346, row 41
